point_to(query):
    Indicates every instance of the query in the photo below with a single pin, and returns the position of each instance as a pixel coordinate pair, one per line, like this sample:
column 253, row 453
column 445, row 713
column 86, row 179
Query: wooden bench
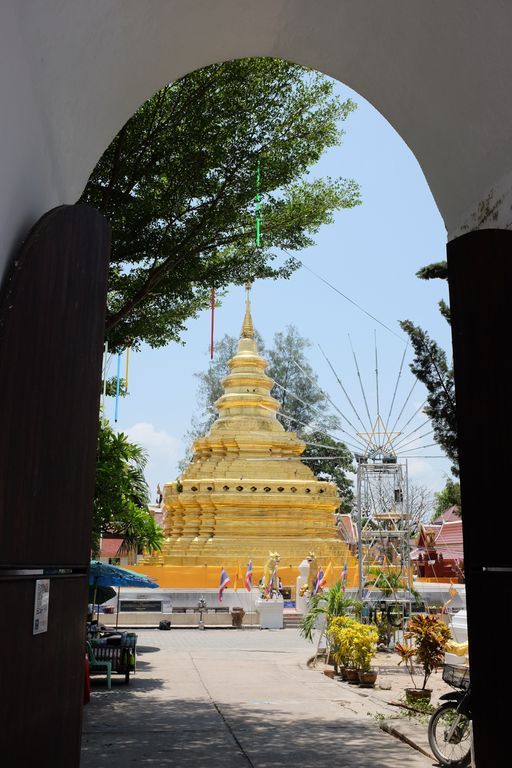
column 122, row 656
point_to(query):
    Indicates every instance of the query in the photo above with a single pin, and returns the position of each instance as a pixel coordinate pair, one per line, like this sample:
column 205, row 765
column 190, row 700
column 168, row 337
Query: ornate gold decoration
column 379, row 440
column 246, row 492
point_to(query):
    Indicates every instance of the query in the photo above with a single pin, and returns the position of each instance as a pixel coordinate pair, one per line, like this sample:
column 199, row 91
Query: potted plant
column 364, row 651
column 429, row 636
column 327, row 605
column 341, row 637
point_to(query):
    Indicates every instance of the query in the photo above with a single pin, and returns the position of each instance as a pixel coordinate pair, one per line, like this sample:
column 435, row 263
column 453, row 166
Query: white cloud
column 418, row 468
column 164, row 451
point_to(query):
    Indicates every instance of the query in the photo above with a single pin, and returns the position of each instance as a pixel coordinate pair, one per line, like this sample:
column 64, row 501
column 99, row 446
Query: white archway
column 72, row 73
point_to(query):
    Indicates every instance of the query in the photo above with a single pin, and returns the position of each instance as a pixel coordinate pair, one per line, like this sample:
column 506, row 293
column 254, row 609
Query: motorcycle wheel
column 457, row 751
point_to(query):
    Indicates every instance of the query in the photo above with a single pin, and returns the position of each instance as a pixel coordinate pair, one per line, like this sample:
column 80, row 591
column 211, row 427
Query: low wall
column 142, row 618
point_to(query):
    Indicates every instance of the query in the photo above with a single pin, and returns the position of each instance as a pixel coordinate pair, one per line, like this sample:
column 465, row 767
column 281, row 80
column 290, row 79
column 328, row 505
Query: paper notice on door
column 41, row 604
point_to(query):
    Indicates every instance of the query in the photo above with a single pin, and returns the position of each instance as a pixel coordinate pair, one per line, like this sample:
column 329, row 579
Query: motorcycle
column 449, row 730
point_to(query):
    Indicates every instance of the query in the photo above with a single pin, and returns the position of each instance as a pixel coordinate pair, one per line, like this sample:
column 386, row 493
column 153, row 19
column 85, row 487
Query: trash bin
column 237, row 615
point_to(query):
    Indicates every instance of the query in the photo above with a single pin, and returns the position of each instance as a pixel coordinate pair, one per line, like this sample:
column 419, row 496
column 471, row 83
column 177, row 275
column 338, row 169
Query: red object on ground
column 87, row 682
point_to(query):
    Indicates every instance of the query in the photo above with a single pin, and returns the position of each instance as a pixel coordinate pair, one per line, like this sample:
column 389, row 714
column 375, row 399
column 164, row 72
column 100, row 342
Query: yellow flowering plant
column 354, row 645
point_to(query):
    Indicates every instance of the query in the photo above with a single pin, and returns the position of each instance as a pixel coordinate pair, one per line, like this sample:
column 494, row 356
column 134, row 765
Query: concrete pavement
column 234, row 699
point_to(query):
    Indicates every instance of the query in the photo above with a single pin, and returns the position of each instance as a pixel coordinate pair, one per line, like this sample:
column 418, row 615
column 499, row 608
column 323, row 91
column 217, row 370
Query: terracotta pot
column 330, row 673
column 367, row 678
column 343, row 673
column 417, row 694
column 352, row 675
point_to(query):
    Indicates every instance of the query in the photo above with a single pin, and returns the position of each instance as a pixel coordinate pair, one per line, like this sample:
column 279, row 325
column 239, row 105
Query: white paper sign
column 41, row 603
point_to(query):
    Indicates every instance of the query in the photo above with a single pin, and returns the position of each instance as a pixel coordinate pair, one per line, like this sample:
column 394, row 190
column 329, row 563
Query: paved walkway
column 234, row 699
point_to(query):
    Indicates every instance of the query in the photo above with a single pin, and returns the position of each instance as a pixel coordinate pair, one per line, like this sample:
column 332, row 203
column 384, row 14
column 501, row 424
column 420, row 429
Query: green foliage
column 178, row 186
column 448, row 497
column 387, row 581
column 302, row 401
column 121, row 494
column 327, row 605
column 438, row 270
column 430, row 366
column 111, row 387
column 429, row 636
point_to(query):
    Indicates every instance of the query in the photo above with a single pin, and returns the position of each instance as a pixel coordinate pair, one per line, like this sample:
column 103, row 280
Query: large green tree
column 448, row 497
column 432, row 368
column 121, row 494
column 178, row 185
column 305, row 408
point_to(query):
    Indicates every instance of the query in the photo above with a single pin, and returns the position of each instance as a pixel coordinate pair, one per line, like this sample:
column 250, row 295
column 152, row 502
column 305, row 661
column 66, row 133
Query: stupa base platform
column 197, row 577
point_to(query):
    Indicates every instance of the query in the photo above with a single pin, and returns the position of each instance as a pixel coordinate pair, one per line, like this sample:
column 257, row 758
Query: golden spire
column 247, row 327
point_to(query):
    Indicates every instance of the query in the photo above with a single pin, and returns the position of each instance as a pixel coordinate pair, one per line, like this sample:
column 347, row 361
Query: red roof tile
column 110, row 547
column 348, row 529
column 449, row 515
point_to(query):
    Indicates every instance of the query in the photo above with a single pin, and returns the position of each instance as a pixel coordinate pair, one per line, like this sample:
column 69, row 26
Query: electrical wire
column 343, row 295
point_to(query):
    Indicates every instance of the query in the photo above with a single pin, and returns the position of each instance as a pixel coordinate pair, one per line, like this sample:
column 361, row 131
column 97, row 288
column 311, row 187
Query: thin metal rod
column 426, row 457
column 376, row 372
column 409, row 434
column 127, row 369
column 402, row 430
column 118, row 381
column 307, row 405
column 343, row 390
column 294, row 458
column 359, row 536
column 360, row 381
column 420, row 437
column 316, row 409
column 403, row 407
column 315, row 429
column 105, row 356
column 419, row 448
column 322, row 445
column 396, row 384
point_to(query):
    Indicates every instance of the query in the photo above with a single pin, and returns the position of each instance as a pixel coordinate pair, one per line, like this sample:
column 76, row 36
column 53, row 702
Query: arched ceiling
column 72, row 72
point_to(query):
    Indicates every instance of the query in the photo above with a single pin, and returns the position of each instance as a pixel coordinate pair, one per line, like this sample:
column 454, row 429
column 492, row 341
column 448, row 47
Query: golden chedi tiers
column 238, row 499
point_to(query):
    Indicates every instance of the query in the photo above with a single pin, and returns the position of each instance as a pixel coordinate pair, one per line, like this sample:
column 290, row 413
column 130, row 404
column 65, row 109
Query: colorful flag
column 344, row 577
column 224, row 581
column 324, row 577
column 248, row 577
column 238, row 578
column 270, row 584
column 452, row 591
column 318, row 581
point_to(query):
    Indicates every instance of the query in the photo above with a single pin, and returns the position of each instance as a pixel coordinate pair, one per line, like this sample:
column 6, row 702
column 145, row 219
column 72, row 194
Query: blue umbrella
column 104, row 575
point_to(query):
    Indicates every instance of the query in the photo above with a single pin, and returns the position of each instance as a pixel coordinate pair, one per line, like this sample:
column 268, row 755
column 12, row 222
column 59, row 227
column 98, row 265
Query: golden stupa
column 246, row 492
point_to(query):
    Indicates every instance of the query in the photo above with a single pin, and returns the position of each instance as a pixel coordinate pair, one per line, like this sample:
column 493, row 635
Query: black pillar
column 480, row 278
column 52, row 320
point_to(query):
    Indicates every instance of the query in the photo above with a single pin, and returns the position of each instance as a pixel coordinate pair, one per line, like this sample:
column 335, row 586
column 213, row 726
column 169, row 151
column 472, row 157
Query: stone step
column 291, row 620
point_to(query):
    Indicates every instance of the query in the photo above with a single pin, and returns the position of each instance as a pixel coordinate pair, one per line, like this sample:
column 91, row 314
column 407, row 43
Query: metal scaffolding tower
column 384, row 526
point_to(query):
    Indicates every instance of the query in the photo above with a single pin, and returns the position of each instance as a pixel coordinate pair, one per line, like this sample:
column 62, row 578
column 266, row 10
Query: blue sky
column 371, row 253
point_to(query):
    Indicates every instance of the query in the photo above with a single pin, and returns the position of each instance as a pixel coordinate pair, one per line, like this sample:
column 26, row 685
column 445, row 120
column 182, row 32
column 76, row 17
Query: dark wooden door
column 52, row 311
